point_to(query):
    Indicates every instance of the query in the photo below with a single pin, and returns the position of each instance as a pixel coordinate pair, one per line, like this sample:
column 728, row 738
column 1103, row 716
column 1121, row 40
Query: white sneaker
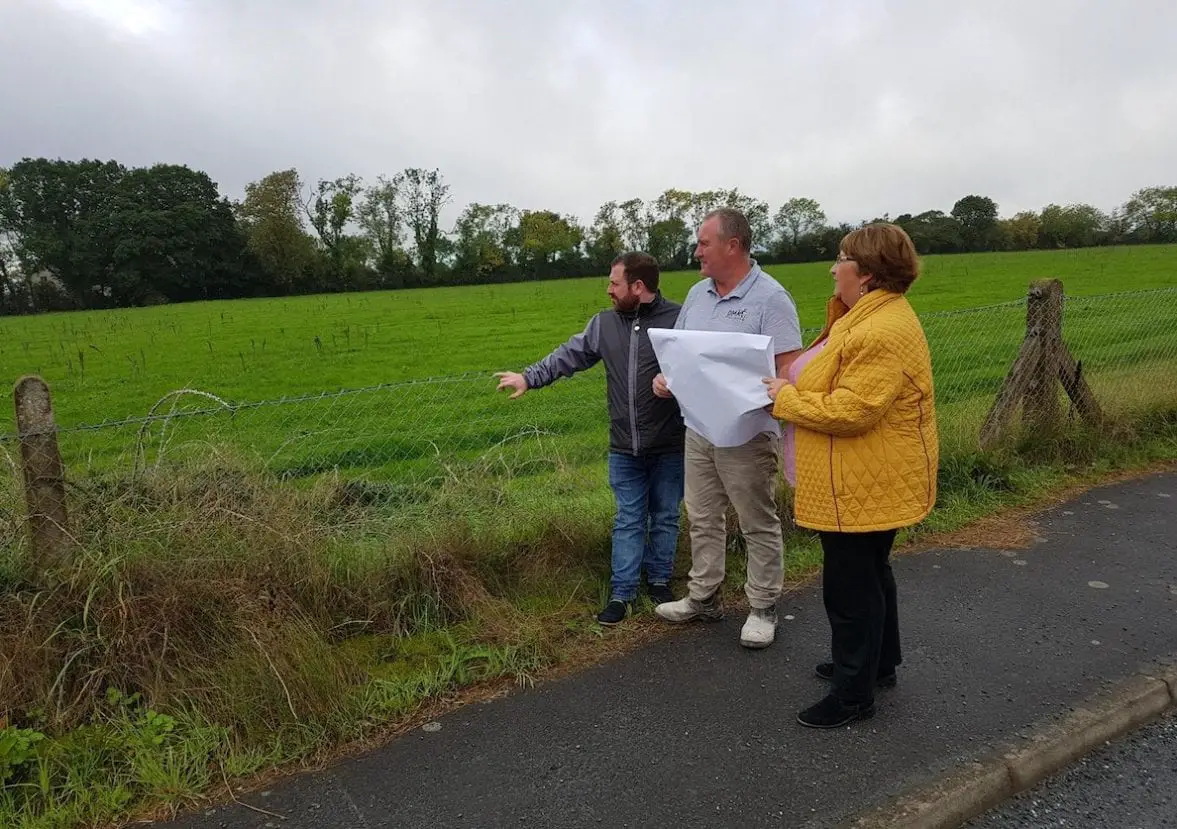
column 760, row 628
column 686, row 609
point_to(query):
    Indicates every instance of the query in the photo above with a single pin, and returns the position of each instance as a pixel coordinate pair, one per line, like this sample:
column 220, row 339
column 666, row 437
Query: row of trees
column 98, row 234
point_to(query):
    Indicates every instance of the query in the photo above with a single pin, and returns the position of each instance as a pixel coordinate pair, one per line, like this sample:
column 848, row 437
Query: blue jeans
column 648, row 490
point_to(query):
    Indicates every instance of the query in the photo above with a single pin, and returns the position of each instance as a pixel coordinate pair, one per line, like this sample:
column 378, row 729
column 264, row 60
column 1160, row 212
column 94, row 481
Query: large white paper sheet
column 716, row 376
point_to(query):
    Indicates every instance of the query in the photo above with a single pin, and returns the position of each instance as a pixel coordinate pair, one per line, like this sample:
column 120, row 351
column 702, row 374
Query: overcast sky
column 868, row 107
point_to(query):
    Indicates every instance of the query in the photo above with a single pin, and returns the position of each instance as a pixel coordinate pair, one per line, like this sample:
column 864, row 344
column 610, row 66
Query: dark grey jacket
column 639, row 422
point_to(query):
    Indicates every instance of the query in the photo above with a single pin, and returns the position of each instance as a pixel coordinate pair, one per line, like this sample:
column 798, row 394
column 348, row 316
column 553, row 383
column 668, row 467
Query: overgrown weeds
column 215, row 622
column 278, row 619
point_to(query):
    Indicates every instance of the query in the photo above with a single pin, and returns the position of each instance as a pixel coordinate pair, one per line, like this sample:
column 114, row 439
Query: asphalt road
column 695, row 731
column 1130, row 784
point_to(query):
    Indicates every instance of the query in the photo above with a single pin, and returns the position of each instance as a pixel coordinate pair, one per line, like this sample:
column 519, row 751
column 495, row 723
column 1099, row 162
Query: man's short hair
column 637, row 266
column 733, row 225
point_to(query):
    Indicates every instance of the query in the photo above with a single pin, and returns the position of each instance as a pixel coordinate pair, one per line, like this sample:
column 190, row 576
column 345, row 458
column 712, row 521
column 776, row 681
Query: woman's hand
column 775, row 384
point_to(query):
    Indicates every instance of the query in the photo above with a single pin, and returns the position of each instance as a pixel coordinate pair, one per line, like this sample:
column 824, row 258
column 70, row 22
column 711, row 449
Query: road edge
column 972, row 789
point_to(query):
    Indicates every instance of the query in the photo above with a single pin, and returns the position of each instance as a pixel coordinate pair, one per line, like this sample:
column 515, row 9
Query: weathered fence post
column 1044, row 320
column 44, row 473
column 1042, row 361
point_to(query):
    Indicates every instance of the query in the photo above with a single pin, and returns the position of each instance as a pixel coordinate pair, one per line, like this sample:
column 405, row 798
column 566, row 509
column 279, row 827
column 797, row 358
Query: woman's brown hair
column 886, row 252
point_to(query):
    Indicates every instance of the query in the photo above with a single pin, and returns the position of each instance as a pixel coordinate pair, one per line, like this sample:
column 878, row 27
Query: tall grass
column 264, row 621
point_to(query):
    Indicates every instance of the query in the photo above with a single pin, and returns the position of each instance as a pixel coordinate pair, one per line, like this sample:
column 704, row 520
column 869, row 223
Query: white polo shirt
column 757, row 305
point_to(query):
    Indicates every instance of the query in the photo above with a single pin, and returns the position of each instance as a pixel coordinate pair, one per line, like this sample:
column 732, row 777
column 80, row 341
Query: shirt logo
column 737, row 314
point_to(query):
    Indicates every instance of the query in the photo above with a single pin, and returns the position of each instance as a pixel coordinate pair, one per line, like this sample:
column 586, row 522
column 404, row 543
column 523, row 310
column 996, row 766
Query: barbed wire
column 258, row 404
column 1124, row 345
column 1139, row 292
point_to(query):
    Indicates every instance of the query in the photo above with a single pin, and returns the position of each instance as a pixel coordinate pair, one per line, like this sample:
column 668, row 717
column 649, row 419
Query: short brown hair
column 733, row 225
column 886, row 252
column 637, row 266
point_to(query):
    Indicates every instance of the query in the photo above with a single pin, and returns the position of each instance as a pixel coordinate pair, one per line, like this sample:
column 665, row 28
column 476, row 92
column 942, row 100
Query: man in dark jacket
column 646, row 432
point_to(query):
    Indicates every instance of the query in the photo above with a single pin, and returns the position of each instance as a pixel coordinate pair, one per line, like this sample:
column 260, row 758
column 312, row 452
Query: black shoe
column 660, row 593
column 831, row 712
column 825, row 670
column 613, row 613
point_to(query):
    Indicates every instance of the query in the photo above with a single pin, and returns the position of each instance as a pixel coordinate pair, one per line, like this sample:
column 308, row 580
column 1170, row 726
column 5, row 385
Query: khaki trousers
column 746, row 478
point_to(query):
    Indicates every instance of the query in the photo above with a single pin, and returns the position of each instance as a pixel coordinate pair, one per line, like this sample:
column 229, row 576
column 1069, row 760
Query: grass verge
column 215, row 626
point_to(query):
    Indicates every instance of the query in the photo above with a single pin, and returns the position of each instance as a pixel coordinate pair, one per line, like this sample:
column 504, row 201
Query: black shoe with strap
column 832, row 712
column 613, row 613
column 825, row 670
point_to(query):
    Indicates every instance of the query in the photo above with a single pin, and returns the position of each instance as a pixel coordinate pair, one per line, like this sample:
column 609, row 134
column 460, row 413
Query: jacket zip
column 833, row 471
column 634, row 340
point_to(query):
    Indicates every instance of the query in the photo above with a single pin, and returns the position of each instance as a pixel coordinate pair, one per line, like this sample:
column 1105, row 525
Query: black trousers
column 859, row 592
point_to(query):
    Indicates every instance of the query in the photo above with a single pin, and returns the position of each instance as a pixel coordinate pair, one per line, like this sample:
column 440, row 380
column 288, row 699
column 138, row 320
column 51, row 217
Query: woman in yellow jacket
column 861, row 432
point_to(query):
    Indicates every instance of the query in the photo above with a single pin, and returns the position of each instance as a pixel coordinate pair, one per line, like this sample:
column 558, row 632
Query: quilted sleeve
column 871, row 381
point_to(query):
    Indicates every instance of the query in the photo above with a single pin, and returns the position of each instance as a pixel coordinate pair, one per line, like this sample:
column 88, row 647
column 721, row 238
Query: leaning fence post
column 44, row 473
column 1042, row 362
column 1044, row 318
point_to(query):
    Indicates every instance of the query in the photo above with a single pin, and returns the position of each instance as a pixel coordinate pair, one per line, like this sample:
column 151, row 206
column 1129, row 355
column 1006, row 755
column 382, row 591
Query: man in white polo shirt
column 735, row 295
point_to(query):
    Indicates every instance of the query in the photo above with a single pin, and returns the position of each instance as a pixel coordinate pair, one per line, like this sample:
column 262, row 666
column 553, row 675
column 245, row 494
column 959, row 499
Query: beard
column 627, row 303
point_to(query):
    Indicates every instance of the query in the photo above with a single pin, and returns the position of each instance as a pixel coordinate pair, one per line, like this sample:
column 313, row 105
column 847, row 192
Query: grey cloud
column 867, row 106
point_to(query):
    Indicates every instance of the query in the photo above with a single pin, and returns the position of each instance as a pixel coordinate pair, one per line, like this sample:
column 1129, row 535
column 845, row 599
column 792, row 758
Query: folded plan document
column 716, row 378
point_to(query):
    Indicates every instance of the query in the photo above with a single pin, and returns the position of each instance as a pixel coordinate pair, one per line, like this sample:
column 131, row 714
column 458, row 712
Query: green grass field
column 105, row 366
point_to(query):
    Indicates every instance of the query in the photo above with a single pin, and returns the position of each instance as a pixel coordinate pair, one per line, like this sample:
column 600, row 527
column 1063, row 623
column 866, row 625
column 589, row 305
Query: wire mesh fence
column 1124, row 345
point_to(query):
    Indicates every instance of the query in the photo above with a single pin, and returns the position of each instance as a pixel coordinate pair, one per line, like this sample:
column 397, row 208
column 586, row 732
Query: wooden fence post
column 44, row 473
column 1070, row 372
column 1044, row 321
column 1042, row 361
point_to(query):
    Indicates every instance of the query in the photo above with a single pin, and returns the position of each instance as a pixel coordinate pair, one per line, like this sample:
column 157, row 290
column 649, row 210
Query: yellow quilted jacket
column 867, row 447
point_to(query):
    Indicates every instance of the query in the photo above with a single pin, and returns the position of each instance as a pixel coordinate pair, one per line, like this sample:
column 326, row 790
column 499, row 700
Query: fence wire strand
column 1124, row 346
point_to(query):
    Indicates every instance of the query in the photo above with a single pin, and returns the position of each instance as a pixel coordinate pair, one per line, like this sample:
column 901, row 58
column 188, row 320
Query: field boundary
column 482, row 374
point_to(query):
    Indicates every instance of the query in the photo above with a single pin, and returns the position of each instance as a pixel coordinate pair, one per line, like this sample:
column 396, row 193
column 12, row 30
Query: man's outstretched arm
column 580, row 352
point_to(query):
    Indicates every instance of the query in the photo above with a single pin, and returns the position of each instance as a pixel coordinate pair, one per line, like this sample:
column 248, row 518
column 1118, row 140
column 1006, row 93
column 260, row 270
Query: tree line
column 98, row 234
